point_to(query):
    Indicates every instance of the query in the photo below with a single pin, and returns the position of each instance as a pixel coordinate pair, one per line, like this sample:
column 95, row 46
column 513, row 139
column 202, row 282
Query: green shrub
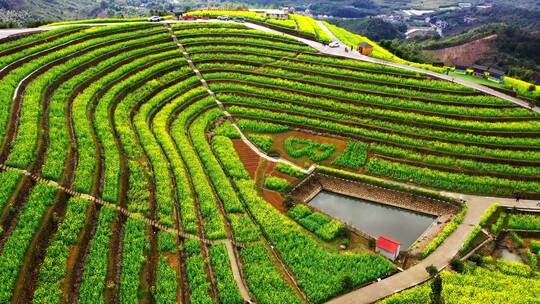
column 264, row 142
column 487, row 215
column 470, row 238
column 299, row 211
column 524, row 221
column 498, row 225
column 227, row 129
column 300, row 147
column 276, row 183
column 289, row 170
column 354, row 156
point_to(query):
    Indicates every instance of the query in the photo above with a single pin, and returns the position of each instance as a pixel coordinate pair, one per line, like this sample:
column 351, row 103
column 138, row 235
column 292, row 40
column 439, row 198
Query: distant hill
column 17, row 13
column 511, row 49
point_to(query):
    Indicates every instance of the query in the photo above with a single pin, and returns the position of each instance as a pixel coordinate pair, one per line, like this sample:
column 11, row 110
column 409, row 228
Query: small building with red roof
column 387, row 247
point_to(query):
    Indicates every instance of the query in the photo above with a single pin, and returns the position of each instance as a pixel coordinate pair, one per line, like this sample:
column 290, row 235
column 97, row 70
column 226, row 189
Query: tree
column 436, row 290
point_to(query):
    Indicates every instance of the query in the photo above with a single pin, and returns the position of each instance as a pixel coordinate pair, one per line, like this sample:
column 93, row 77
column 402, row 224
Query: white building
column 387, row 247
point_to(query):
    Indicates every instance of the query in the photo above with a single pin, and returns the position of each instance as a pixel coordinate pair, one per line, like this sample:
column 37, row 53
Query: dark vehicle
column 239, row 19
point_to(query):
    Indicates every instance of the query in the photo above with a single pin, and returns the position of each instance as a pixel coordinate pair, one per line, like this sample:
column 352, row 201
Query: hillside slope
column 467, row 53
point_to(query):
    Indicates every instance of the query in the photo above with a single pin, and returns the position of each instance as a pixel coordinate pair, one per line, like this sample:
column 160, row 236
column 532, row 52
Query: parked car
column 189, row 17
column 239, row 19
column 154, row 19
column 334, row 44
column 223, row 18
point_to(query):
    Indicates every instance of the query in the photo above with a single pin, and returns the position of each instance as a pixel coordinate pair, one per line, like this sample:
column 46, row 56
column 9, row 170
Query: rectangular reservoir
column 375, row 219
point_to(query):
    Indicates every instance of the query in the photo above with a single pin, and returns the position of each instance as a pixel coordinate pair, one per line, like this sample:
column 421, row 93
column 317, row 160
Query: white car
column 223, row 18
column 154, row 19
column 334, row 44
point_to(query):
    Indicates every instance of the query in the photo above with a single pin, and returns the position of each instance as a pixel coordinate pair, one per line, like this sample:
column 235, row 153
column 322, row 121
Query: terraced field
column 148, row 203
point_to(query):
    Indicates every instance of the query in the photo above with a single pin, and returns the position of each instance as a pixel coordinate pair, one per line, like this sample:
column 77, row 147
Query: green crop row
column 384, row 113
column 95, row 265
column 289, row 170
column 315, row 151
column 342, row 108
column 324, row 227
column 58, row 132
column 447, row 230
column 86, row 163
column 317, row 64
column 242, row 49
column 248, row 40
column 226, row 129
column 264, row 142
column 54, row 267
column 222, row 184
column 470, row 238
column 264, row 279
column 307, row 25
column 327, row 281
column 229, row 159
column 243, row 228
column 161, row 126
column 499, row 224
column 524, row 221
column 226, row 285
column 78, row 36
column 105, row 129
column 23, row 145
column 478, row 285
column 281, row 70
column 354, row 156
column 199, row 286
column 435, row 146
column 374, row 99
column 261, row 126
column 39, row 38
column 276, row 183
column 133, row 247
column 196, row 25
column 166, row 283
column 213, row 219
column 454, row 162
column 8, row 183
column 488, row 214
column 235, row 32
column 449, row 181
column 163, row 184
column 12, row 255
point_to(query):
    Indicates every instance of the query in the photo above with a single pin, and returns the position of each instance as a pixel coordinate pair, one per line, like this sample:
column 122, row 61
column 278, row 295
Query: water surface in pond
column 374, row 219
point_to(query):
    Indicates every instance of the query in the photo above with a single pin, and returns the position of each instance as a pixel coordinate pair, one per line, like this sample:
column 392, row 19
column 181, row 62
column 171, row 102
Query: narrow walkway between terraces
column 235, row 265
column 124, row 211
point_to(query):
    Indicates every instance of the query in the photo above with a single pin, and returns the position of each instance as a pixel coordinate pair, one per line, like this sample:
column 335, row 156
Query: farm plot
column 118, row 113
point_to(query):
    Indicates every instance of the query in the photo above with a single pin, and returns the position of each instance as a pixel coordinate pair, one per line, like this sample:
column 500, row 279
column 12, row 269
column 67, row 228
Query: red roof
column 387, row 244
